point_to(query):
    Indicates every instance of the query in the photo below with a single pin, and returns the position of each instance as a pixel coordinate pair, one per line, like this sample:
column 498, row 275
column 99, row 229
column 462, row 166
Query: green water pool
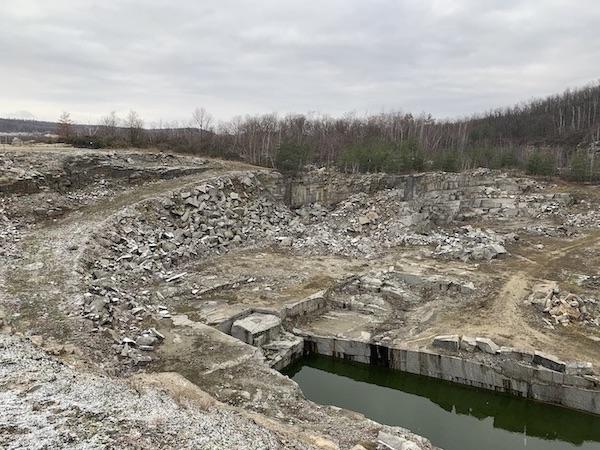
column 452, row 416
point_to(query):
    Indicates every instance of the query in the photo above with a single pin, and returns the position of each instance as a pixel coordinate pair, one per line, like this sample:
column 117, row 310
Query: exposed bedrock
column 536, row 380
column 63, row 173
column 443, row 196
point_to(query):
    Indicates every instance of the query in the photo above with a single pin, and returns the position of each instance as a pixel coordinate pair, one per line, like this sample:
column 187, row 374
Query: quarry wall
column 512, row 377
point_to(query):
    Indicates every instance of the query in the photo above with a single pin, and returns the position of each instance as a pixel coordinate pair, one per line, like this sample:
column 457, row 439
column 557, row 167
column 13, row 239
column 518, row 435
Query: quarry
column 152, row 300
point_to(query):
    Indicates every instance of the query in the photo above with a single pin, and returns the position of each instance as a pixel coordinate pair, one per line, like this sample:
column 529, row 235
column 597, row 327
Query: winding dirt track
column 506, row 317
column 45, row 284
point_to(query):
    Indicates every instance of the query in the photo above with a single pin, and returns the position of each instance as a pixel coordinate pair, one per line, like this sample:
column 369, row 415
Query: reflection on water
column 453, row 417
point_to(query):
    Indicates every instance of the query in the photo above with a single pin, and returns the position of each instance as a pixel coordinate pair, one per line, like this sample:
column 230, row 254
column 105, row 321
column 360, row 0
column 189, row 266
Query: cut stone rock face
column 579, row 368
column 549, row 362
column 256, row 329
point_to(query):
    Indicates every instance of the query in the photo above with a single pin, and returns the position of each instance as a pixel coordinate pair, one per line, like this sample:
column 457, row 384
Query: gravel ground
column 48, row 405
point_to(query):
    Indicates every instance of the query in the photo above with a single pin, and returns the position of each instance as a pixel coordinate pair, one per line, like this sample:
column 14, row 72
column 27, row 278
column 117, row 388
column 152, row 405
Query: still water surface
column 453, row 417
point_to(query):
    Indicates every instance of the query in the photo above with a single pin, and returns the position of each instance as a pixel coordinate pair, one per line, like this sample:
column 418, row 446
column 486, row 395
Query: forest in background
column 557, row 135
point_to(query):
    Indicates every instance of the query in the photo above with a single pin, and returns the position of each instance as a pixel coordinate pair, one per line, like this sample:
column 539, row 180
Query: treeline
column 555, row 135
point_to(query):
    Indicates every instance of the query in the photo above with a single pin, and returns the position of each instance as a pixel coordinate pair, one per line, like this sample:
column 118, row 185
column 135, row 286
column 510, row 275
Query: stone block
column 517, row 370
column 486, row 345
column 256, row 329
column 549, row 362
column 390, row 441
column 548, row 376
column 516, row 354
column 311, row 304
column 578, row 381
column 447, row 342
column 468, row 344
column 579, row 368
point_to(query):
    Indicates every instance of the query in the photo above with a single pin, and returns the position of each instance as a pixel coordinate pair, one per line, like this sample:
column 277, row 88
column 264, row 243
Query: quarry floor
column 42, row 286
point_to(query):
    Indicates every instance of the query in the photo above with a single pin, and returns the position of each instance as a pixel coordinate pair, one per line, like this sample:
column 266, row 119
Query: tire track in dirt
column 46, row 296
column 505, row 317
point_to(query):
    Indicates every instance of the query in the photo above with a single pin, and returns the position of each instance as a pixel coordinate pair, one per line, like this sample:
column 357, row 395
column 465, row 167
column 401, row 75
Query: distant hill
column 27, row 126
column 21, row 126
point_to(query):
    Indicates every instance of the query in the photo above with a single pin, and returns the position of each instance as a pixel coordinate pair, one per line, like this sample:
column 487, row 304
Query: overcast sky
column 163, row 58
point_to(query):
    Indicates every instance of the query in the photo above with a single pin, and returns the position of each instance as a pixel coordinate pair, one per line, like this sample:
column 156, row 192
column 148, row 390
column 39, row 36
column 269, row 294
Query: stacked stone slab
column 257, row 329
column 454, row 343
column 564, row 308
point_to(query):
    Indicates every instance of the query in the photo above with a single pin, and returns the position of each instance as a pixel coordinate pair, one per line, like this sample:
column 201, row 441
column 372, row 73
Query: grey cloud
column 164, row 58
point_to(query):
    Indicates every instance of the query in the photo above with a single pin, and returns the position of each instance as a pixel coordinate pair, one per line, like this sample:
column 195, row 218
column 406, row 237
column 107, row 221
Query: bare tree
column 203, row 121
column 498, row 138
column 135, row 124
column 109, row 125
column 65, row 126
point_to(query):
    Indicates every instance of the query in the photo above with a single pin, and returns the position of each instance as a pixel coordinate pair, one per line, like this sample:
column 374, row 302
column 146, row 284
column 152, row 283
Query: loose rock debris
column 564, row 308
column 140, row 262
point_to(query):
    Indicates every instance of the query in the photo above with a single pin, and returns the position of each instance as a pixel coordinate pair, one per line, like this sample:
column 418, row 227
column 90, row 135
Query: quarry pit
column 179, row 287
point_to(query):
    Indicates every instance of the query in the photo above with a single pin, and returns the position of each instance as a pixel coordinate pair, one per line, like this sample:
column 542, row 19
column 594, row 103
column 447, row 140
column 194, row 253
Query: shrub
column 580, row 167
column 448, row 161
column 540, row 163
column 88, row 142
column 291, row 157
column 411, row 156
column 371, row 156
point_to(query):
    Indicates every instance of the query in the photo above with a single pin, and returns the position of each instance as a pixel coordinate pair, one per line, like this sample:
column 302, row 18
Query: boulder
column 146, row 340
column 468, row 344
column 447, row 342
column 363, row 220
column 487, row 345
column 549, row 362
column 256, row 329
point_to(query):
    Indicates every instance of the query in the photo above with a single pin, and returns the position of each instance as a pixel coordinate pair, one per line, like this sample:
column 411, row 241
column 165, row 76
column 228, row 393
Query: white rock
column 487, row 345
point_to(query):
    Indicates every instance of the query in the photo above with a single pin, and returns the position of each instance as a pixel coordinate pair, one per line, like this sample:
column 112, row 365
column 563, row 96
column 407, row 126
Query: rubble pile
column 564, row 308
column 362, row 211
column 589, row 219
column 151, row 240
column 10, row 231
column 363, row 224
column 212, row 217
column 549, row 230
column 468, row 243
column 123, row 318
column 444, row 197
